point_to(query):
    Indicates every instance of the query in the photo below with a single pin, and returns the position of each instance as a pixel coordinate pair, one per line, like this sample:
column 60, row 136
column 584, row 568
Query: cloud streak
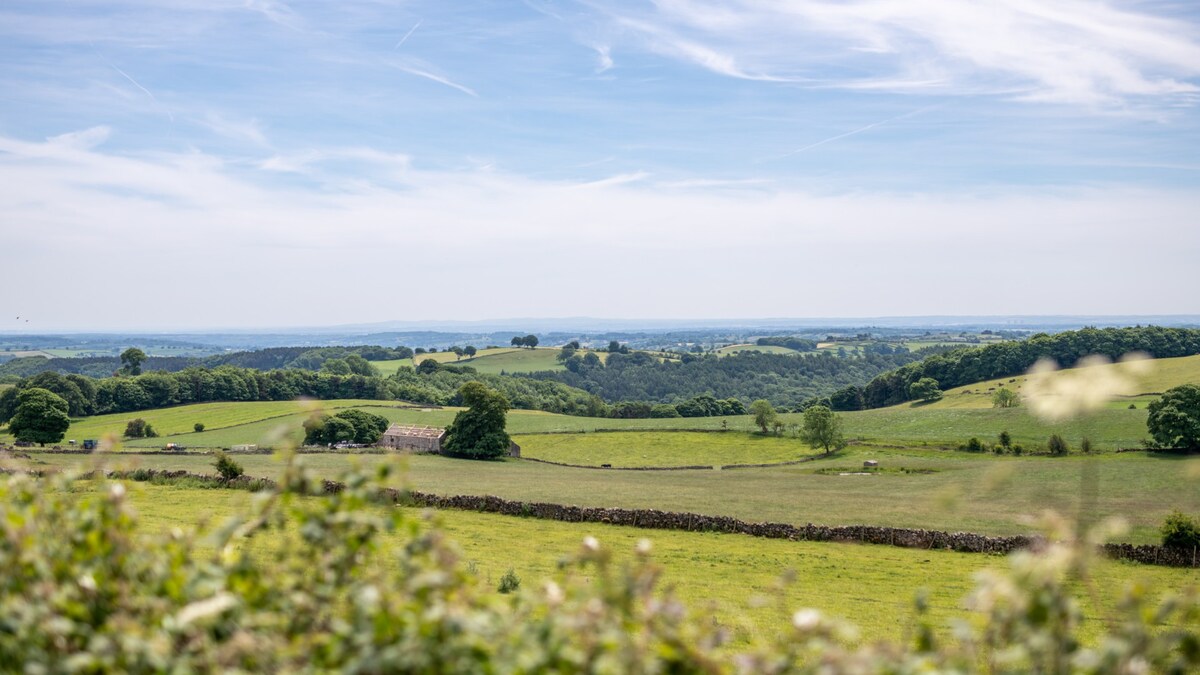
column 1079, row 52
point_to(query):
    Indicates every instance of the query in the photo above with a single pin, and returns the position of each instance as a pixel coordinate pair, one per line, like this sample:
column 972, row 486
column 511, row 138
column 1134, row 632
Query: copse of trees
column 974, row 364
column 39, row 416
column 1174, row 418
column 794, row 343
column 529, row 341
column 347, row 426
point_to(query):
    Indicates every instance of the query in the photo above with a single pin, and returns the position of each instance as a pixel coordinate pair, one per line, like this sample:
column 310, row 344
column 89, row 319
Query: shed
column 413, row 437
column 870, row 463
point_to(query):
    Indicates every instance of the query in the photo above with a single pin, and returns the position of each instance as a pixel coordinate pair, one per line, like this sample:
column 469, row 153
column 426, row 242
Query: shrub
column 1018, row 449
column 1057, row 446
column 509, row 582
column 1179, row 531
column 1005, row 439
column 973, row 445
column 198, row 427
column 139, row 428
column 1085, row 446
column 227, row 468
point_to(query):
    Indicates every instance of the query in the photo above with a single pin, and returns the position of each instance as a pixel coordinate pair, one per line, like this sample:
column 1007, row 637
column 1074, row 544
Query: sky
column 204, row 164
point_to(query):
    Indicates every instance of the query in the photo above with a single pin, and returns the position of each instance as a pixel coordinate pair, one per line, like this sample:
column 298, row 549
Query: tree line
column 974, row 364
column 304, row 358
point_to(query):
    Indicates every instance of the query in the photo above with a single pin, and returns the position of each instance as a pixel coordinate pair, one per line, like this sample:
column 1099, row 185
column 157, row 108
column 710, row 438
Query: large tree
column 131, row 361
column 479, row 431
column 40, row 417
column 1174, row 419
column 925, row 389
column 822, row 429
column 764, row 414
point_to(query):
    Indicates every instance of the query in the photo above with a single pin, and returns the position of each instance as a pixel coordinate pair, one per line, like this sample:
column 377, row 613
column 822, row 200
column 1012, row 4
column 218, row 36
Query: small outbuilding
column 413, row 437
column 870, row 464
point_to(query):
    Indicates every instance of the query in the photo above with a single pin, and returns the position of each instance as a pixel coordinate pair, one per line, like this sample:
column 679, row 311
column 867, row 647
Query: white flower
column 1087, row 387
column 554, row 593
column 644, row 546
column 117, row 490
column 205, row 608
column 590, row 544
column 806, row 619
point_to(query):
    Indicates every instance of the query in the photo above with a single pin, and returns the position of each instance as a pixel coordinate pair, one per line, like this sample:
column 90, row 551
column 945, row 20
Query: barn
column 413, row 437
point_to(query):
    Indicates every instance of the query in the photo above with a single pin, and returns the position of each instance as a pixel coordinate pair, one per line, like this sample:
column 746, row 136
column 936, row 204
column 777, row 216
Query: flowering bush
column 82, row 590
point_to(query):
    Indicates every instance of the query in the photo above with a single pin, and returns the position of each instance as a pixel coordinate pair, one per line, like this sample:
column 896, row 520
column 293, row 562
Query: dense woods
column 786, row 380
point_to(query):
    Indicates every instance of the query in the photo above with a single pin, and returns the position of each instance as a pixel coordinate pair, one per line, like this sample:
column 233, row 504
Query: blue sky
column 296, row 163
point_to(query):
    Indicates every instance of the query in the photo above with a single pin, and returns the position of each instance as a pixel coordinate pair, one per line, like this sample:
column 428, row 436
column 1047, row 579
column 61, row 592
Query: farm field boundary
column 963, row 542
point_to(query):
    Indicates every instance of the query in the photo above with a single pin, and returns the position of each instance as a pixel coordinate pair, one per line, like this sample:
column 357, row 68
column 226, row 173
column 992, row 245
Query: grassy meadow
column 648, row 448
column 766, row 349
column 731, row 577
column 491, row 361
column 933, row 489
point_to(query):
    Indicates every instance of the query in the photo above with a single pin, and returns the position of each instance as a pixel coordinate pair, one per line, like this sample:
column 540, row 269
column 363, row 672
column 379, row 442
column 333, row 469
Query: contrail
column 858, row 131
column 147, row 91
column 406, row 35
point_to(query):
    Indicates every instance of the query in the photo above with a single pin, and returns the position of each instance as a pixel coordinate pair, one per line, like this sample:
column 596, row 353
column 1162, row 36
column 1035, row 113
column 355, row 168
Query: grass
column 766, row 349
column 682, row 448
column 963, row 492
column 731, row 577
column 1163, row 374
column 491, row 361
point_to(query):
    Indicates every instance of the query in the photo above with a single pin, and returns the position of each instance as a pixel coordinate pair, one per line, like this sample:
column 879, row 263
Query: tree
column 470, row 351
column 336, row 367
column 428, row 367
column 518, row 341
column 198, row 427
column 1005, row 440
column 1174, row 419
column 925, row 389
column 847, row 398
column 1179, row 531
column 823, row 429
column 479, row 431
column 764, row 414
column 227, row 468
column 139, row 428
column 531, row 341
column 1057, row 446
column 565, row 353
column 1005, row 398
column 368, row 427
column 131, row 361
column 40, row 417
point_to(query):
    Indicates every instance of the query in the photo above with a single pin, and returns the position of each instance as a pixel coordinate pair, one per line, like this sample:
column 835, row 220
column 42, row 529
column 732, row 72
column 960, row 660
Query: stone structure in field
column 413, row 437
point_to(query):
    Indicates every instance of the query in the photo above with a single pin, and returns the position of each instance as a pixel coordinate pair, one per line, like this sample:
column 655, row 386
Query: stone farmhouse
column 413, row 437
column 422, row 439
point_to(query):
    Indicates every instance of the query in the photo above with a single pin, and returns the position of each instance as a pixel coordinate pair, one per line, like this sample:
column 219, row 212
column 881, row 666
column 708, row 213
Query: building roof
column 414, row 431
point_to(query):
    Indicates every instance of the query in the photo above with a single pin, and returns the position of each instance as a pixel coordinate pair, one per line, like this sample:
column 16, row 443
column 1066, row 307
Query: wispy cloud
column 145, row 91
column 853, row 132
column 248, row 131
column 604, row 60
column 1081, row 52
column 407, row 35
column 423, row 71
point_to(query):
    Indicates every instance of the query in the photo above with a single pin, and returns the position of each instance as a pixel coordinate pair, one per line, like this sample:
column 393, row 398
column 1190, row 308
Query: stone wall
column 966, row 542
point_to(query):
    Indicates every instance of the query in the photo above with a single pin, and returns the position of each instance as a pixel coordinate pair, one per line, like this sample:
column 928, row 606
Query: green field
column 681, row 448
column 491, row 361
column 766, row 349
column 991, row 495
column 1161, row 375
column 732, row 577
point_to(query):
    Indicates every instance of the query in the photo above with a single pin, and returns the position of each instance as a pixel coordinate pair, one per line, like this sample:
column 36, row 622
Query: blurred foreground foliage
column 82, row 590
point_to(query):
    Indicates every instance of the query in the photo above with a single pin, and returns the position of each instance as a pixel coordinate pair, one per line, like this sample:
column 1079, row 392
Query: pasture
column 680, row 448
column 766, row 349
column 1160, row 375
column 491, row 361
column 734, row 578
column 942, row 490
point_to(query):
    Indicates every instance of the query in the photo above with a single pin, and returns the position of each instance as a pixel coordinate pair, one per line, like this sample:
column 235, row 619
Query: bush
column 509, row 582
column 198, row 427
column 1174, row 418
column 1005, row 439
column 1085, row 446
column 227, row 468
column 139, row 428
column 973, row 445
column 1057, row 446
column 1179, row 531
